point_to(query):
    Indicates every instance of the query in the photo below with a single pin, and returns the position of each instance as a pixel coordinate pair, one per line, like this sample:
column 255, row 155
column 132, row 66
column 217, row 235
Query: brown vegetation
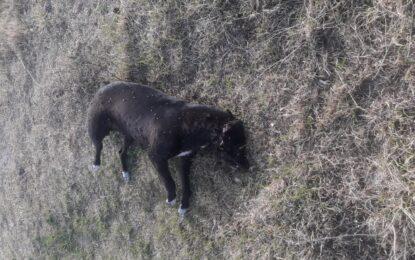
column 326, row 89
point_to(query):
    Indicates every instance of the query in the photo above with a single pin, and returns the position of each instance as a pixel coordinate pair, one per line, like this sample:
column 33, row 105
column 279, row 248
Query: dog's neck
column 203, row 126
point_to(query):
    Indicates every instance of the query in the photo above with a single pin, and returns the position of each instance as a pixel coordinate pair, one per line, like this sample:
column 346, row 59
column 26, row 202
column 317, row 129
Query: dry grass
column 326, row 89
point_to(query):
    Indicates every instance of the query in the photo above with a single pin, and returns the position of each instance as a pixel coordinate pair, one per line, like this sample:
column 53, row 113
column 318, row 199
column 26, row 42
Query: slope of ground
column 326, row 89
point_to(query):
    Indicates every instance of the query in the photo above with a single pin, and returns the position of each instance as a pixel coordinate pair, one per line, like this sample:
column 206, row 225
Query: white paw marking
column 171, row 203
column 182, row 212
column 94, row 168
column 184, row 153
column 126, row 176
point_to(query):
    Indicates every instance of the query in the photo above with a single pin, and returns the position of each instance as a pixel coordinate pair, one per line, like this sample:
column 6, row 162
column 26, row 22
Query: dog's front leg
column 162, row 168
column 186, row 163
column 123, row 156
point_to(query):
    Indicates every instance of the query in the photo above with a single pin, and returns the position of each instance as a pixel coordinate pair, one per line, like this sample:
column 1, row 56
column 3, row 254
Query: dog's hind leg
column 124, row 156
column 98, row 149
column 186, row 163
column 162, row 168
column 97, row 129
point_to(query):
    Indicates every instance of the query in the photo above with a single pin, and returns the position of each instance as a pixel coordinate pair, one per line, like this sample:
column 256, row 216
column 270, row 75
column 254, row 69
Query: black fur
column 165, row 127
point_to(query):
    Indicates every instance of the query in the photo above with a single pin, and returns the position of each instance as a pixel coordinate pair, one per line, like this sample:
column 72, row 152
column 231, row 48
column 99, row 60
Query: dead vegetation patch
column 326, row 89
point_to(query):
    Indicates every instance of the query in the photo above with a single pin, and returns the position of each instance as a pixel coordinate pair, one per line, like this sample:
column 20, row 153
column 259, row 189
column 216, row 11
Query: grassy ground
column 326, row 89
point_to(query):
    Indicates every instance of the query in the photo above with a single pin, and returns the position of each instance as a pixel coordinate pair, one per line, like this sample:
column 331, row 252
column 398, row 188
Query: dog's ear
column 226, row 127
column 235, row 124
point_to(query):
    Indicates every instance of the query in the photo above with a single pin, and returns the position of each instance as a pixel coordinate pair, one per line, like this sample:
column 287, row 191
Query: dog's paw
column 182, row 213
column 94, row 168
column 171, row 203
column 126, row 176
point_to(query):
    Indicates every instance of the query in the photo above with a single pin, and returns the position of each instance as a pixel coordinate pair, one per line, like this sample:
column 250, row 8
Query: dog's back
column 131, row 109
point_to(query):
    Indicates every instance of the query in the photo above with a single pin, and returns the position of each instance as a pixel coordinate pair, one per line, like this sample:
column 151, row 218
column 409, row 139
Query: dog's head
column 233, row 143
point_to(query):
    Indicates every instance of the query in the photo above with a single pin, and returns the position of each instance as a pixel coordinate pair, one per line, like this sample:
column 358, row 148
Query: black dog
column 165, row 127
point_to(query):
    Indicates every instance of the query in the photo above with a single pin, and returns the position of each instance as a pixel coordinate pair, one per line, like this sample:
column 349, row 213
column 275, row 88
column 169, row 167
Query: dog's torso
column 165, row 127
column 163, row 124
